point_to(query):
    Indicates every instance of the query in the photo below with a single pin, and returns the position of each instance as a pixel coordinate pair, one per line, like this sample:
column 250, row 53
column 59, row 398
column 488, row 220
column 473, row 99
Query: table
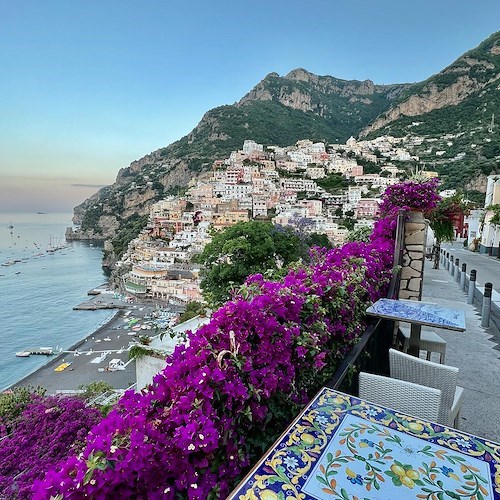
column 418, row 314
column 346, row 448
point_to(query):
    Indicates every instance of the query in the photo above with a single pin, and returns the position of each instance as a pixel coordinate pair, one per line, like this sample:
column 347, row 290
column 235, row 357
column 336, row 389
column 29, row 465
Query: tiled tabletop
column 346, row 448
column 413, row 311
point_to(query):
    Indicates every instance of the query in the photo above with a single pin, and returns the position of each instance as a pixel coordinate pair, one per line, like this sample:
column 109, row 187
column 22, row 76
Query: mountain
column 452, row 118
column 278, row 111
column 447, row 118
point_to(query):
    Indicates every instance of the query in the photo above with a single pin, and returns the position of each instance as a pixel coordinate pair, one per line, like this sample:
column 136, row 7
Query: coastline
column 90, row 356
column 58, row 358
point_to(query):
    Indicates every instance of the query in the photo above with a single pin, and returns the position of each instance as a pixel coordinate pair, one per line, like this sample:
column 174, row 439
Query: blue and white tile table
column 418, row 314
column 342, row 447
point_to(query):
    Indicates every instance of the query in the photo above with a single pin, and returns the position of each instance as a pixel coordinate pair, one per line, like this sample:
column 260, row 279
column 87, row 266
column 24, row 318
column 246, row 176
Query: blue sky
column 89, row 86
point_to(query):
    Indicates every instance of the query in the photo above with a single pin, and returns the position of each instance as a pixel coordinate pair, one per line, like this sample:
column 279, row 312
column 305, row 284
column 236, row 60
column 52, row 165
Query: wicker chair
column 406, row 397
column 429, row 342
column 442, row 377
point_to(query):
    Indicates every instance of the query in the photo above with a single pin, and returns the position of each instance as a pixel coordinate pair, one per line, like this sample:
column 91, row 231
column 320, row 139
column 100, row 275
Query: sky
column 88, row 86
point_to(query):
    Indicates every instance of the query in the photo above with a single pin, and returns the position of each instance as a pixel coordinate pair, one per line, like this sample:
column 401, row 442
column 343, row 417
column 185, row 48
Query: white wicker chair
column 429, row 342
column 443, row 377
column 406, row 397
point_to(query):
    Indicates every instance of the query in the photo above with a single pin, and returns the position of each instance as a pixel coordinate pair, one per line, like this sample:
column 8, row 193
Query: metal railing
column 370, row 354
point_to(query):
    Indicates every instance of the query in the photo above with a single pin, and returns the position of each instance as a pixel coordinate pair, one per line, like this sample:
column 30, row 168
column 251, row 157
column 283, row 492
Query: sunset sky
column 89, row 86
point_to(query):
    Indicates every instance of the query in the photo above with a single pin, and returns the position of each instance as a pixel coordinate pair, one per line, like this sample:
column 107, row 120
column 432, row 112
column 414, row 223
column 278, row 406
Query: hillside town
column 314, row 188
column 311, row 187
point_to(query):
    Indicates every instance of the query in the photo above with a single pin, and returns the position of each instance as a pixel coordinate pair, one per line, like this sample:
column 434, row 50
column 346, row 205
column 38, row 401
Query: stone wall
column 412, row 273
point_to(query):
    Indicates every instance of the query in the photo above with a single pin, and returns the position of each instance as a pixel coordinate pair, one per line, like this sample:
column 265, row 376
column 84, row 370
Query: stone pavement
column 473, row 352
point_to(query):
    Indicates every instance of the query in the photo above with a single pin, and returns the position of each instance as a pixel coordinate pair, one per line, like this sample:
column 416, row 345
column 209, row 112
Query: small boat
column 23, row 354
column 61, row 367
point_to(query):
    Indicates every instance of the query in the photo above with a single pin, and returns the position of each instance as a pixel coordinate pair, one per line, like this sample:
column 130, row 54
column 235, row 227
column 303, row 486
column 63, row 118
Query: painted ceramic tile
column 371, row 461
column 419, row 312
column 341, row 447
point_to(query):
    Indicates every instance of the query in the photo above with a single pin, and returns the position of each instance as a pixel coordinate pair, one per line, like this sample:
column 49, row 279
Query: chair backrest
column 420, row 371
column 406, row 397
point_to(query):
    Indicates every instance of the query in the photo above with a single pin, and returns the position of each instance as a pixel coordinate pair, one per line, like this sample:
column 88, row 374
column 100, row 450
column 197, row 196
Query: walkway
column 472, row 351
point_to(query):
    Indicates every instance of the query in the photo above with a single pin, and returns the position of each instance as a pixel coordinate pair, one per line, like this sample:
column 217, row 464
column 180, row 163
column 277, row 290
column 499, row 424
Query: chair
column 406, row 397
column 442, row 377
column 429, row 342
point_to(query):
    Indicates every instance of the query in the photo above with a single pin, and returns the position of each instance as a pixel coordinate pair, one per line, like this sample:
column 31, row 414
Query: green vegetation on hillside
column 333, row 183
column 130, row 228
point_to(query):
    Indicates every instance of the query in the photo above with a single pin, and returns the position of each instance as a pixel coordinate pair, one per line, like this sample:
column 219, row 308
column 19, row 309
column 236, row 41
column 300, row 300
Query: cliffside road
column 488, row 268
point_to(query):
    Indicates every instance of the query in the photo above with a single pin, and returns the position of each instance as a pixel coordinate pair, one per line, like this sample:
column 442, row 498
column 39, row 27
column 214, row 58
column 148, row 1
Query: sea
column 40, row 287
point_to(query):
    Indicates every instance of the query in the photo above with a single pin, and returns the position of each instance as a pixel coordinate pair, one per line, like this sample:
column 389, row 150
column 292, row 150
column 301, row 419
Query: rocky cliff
column 468, row 75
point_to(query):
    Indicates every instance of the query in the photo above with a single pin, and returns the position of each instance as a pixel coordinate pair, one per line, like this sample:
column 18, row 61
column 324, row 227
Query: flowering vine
column 232, row 388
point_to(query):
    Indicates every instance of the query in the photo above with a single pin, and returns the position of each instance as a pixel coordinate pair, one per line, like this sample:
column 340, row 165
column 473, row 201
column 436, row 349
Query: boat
column 23, row 354
column 61, row 367
column 47, row 351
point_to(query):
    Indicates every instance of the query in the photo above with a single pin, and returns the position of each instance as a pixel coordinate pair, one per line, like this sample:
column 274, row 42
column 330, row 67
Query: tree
column 193, row 308
column 317, row 240
column 243, row 249
column 441, row 219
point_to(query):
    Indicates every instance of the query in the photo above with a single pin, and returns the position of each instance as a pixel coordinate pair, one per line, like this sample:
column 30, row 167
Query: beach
column 89, row 358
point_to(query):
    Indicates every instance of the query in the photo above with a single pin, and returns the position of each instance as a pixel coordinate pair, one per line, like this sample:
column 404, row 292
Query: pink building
column 357, row 170
column 367, row 208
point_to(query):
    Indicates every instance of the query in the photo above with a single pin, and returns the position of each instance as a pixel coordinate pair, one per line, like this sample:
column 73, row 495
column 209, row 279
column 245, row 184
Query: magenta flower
column 225, row 396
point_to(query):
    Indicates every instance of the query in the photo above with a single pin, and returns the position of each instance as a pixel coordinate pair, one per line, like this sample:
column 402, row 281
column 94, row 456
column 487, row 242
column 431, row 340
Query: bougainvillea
column 48, row 430
column 226, row 394
column 410, row 195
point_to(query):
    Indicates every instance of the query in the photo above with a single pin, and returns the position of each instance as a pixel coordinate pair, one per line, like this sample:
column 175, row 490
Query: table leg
column 414, row 348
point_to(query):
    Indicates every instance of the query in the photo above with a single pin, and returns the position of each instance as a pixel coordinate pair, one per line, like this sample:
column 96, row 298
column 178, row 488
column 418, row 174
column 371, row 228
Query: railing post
column 452, row 267
column 441, row 257
column 462, row 277
column 457, row 270
column 485, row 314
column 472, row 287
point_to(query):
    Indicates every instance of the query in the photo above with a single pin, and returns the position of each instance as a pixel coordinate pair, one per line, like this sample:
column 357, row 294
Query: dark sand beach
column 89, row 358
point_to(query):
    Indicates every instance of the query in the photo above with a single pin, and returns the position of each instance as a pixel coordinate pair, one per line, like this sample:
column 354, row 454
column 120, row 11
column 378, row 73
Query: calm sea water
column 37, row 294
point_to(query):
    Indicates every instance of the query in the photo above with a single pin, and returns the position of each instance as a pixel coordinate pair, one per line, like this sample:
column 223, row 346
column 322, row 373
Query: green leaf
column 275, row 479
column 322, row 480
column 396, row 481
column 88, row 476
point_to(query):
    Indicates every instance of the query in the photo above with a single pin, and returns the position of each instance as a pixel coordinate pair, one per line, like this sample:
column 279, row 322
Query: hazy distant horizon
column 45, row 195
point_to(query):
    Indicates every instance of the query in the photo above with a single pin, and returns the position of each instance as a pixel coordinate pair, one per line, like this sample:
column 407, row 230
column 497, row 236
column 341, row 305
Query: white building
column 250, row 147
